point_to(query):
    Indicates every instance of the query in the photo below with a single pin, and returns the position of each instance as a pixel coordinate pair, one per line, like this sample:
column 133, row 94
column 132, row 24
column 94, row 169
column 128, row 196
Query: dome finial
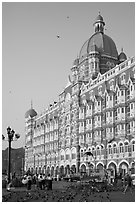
column 122, row 49
column 99, row 24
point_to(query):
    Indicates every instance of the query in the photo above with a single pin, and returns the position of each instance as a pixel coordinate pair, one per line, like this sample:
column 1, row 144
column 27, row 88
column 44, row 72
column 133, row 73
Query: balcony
column 115, row 156
column 110, row 156
column 98, row 157
column 121, row 155
column 102, row 157
column 127, row 97
column 126, row 154
column 133, row 154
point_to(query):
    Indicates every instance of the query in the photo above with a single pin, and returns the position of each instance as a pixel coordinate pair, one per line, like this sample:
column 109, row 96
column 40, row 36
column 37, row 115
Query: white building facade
column 95, row 112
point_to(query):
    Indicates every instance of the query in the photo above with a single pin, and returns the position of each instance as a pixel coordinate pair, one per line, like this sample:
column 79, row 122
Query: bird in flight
column 58, row 36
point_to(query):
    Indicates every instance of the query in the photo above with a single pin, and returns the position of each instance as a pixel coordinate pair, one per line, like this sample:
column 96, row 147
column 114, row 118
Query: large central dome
column 103, row 43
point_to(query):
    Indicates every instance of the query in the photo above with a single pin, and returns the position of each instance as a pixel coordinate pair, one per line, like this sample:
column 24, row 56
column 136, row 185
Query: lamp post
column 11, row 134
column 26, row 158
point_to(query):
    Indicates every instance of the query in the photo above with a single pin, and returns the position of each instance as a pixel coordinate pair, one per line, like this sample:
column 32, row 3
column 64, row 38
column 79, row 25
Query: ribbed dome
column 30, row 113
column 104, row 45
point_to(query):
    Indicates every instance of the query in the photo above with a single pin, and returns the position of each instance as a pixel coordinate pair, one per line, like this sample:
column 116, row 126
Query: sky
column 36, row 64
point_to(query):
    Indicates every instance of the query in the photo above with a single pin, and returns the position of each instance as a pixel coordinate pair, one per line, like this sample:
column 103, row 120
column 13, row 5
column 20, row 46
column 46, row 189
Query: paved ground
column 63, row 192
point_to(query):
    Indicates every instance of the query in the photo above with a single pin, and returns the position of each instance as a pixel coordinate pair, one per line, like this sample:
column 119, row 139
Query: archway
column 83, row 169
column 62, row 171
column 123, row 168
column 42, row 170
column 56, row 171
column 133, row 167
column 36, row 170
column 112, row 168
column 39, row 170
column 73, row 169
column 52, row 171
column 48, row 170
column 67, row 170
column 99, row 167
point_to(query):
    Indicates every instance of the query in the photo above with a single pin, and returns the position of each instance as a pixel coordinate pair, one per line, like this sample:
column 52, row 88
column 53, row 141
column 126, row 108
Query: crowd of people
column 41, row 181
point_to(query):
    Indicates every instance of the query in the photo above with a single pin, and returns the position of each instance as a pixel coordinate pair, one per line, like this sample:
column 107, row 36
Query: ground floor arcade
column 122, row 167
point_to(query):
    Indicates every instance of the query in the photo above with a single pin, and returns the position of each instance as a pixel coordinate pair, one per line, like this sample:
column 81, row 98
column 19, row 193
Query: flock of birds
column 58, row 36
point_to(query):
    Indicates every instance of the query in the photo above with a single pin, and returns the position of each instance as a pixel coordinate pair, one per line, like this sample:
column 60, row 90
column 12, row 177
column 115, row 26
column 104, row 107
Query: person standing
column 49, row 182
column 43, row 181
column 40, row 179
column 128, row 181
column 29, row 182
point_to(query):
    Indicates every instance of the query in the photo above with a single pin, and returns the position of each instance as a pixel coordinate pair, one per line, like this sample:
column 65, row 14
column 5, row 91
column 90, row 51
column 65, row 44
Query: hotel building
column 94, row 113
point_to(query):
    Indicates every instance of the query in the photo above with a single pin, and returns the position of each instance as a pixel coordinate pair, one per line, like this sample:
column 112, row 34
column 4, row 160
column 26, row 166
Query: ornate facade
column 95, row 112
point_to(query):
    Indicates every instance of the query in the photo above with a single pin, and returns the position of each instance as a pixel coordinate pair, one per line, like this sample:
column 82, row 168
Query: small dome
column 30, row 113
column 76, row 62
column 99, row 18
column 122, row 57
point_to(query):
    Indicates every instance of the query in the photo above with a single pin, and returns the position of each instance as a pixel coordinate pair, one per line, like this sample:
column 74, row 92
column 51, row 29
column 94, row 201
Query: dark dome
column 76, row 62
column 122, row 57
column 104, row 45
column 99, row 18
column 30, row 113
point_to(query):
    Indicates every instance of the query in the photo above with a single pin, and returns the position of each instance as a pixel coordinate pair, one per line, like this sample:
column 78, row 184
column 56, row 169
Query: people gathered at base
column 41, row 181
column 44, row 182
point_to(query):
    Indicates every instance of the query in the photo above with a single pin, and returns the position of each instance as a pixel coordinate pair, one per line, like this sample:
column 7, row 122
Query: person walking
column 49, row 182
column 29, row 182
column 128, row 182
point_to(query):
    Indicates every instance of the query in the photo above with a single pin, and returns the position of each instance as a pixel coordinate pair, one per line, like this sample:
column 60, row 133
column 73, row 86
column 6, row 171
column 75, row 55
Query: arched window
column 109, row 149
column 98, row 151
column 96, row 66
column 82, row 153
column 62, row 157
column 133, row 146
column 67, row 156
column 121, row 148
column 114, row 149
column 126, row 146
column 102, row 149
column 93, row 150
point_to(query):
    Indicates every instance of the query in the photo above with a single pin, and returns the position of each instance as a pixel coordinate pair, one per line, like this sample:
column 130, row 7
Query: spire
column 31, row 104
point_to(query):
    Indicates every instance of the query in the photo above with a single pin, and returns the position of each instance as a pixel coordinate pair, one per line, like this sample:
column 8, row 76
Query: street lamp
column 11, row 135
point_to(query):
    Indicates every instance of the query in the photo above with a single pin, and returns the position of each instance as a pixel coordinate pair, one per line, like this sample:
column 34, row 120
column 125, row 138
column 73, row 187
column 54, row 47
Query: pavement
column 65, row 192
